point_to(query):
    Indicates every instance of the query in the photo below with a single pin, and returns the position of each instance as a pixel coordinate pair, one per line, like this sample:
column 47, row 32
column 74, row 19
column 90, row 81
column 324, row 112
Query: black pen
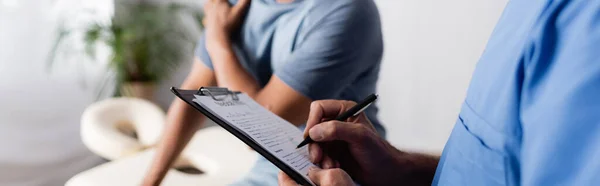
column 354, row 111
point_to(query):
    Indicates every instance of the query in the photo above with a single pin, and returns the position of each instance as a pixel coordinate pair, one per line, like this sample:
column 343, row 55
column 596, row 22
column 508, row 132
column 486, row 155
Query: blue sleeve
column 560, row 104
column 345, row 44
column 202, row 53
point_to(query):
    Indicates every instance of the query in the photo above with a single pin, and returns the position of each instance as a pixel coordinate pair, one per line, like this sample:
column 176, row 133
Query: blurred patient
column 284, row 54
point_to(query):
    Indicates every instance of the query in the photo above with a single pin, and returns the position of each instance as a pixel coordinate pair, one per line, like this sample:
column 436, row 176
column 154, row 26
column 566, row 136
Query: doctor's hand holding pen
column 351, row 151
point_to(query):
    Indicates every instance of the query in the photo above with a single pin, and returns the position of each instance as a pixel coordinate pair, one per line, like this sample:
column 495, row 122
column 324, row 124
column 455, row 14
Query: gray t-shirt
column 324, row 49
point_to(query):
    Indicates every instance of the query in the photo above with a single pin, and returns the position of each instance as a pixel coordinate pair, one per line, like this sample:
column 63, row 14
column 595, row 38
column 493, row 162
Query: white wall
column 431, row 48
column 40, row 106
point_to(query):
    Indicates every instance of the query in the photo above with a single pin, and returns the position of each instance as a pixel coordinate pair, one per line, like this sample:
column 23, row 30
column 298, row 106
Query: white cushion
column 108, row 127
column 221, row 156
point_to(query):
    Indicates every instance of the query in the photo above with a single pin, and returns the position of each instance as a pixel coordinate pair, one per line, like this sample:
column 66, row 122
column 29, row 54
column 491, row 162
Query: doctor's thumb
column 337, row 130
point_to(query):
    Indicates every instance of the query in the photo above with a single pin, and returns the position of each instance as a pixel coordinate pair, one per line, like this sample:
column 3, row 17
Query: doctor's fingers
column 328, row 162
column 211, row 4
column 241, row 6
column 315, row 153
column 329, row 177
column 325, row 110
column 321, row 155
column 352, row 133
column 285, row 180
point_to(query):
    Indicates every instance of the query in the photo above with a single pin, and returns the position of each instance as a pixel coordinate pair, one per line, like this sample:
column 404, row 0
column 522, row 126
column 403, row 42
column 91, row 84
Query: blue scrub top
column 532, row 112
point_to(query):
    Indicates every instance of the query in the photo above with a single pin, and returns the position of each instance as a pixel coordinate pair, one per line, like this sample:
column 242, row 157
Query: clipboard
column 219, row 93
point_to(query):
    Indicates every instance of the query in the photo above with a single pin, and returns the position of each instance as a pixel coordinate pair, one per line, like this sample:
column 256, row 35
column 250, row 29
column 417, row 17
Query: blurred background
column 56, row 60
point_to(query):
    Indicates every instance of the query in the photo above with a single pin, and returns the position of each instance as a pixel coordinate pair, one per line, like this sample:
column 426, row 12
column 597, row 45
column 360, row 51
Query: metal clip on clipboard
column 220, row 94
column 214, row 92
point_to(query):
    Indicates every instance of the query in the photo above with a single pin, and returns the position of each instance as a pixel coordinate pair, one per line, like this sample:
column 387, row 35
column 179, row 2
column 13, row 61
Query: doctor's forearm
column 416, row 168
column 228, row 71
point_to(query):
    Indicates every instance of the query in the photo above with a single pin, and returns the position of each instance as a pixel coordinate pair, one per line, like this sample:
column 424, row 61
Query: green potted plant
column 147, row 41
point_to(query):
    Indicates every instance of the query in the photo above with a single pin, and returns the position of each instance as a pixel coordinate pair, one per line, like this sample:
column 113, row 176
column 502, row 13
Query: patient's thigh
column 264, row 173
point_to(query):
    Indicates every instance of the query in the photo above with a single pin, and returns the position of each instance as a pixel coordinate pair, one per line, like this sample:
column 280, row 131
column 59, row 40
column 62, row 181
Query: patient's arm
column 182, row 122
column 222, row 19
column 276, row 96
